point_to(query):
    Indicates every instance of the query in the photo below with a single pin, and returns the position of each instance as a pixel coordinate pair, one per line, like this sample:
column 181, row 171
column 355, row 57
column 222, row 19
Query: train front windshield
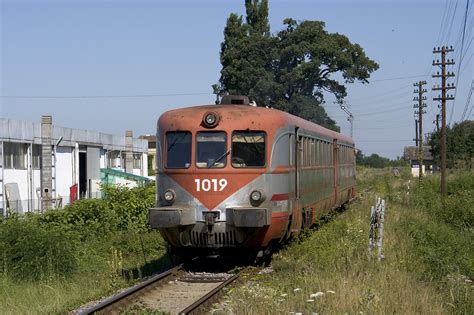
column 248, row 149
column 211, row 149
column 178, row 149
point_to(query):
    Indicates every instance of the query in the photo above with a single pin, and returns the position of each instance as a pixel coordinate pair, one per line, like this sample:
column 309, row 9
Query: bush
column 85, row 219
column 442, row 249
column 38, row 246
column 130, row 205
column 30, row 251
column 457, row 209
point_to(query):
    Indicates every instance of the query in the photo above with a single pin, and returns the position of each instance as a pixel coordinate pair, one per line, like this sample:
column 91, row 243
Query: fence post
column 380, row 240
column 377, row 217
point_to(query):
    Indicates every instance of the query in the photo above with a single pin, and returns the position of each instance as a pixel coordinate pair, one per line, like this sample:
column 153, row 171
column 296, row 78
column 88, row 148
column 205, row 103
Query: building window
column 14, row 155
column 114, row 159
column 137, row 161
column 36, row 156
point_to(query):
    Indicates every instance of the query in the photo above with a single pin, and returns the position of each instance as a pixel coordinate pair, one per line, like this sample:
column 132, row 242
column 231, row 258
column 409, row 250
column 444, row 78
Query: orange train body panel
column 299, row 169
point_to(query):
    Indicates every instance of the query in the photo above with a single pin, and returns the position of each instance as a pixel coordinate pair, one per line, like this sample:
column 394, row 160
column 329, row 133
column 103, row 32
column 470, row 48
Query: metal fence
column 35, row 205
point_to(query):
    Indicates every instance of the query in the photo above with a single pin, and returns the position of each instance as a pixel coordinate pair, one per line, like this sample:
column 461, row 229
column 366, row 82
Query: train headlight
column 210, row 119
column 169, row 195
column 256, row 197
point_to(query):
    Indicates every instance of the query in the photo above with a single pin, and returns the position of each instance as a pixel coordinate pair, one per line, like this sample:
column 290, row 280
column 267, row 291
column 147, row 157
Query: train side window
column 211, row 149
column 328, row 153
column 325, row 153
column 178, row 144
column 305, row 151
column 321, row 153
column 300, row 151
column 248, row 149
column 318, row 152
column 308, row 152
column 291, row 149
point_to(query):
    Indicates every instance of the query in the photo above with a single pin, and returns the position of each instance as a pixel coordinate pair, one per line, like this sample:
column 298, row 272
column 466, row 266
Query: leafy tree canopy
column 377, row 161
column 291, row 69
column 459, row 145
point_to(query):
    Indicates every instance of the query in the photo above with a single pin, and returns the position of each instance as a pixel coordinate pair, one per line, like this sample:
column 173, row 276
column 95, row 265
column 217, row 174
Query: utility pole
column 443, row 98
column 437, row 122
column 416, row 132
column 420, row 98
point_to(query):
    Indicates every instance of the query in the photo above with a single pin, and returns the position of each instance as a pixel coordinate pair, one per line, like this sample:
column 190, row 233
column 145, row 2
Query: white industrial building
column 41, row 164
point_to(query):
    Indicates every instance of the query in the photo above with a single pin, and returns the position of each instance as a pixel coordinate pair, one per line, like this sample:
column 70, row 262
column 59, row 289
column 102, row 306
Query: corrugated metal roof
column 22, row 131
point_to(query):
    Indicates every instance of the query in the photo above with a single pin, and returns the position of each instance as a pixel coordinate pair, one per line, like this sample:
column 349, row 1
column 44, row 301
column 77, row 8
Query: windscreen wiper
column 219, row 158
column 175, row 141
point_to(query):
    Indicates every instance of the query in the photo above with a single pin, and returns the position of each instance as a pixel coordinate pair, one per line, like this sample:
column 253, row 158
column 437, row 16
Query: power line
column 100, row 96
column 441, row 28
column 381, row 94
column 400, row 78
column 459, row 64
column 452, row 21
column 466, row 107
column 385, row 111
column 381, row 128
column 154, row 95
column 380, row 103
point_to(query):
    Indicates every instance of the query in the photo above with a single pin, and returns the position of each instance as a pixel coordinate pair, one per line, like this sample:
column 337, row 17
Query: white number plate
column 212, row 184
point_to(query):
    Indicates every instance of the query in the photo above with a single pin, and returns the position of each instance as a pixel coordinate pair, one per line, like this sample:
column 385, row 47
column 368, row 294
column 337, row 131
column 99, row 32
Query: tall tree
column 460, row 145
column 292, row 69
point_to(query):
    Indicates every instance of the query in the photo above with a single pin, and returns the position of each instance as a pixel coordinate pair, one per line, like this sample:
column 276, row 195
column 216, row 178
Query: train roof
column 259, row 118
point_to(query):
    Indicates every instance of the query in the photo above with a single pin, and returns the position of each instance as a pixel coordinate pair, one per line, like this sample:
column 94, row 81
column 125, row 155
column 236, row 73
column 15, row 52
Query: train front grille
column 215, row 239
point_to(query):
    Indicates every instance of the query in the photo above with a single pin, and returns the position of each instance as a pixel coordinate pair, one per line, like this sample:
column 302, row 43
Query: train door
column 296, row 213
column 297, row 150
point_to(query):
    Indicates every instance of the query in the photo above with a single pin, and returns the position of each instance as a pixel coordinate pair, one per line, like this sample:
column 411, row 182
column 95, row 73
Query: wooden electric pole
column 437, row 122
column 420, row 111
column 416, row 132
column 443, row 98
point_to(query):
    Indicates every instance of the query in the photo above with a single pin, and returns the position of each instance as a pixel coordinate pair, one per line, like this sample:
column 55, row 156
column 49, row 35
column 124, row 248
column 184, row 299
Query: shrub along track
column 182, row 291
column 176, row 291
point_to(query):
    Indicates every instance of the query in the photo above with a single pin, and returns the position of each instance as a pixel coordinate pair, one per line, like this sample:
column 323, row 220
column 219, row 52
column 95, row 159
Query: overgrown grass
column 54, row 262
column 427, row 267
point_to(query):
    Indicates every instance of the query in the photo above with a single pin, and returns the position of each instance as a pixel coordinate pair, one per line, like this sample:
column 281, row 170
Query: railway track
column 176, row 291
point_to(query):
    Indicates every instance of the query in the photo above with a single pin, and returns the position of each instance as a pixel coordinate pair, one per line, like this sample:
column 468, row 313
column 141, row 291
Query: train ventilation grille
column 222, row 239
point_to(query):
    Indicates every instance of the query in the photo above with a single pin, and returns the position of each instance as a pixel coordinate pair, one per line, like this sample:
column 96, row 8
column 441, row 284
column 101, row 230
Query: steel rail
column 110, row 302
column 195, row 306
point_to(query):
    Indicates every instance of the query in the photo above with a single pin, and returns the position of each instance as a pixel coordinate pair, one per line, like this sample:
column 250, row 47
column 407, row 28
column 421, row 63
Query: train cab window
column 248, row 149
column 178, row 149
column 211, row 149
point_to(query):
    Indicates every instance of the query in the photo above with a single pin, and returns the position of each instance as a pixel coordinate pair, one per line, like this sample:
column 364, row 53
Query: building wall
column 35, row 190
column 66, row 159
column 64, row 172
column 20, row 177
column 103, row 158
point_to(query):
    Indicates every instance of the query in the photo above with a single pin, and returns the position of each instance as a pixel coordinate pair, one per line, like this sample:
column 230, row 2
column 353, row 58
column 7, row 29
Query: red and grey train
column 235, row 176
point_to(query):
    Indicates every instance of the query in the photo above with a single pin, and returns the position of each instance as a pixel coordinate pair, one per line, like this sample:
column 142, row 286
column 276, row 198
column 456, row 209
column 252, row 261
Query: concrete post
column 129, row 151
column 47, row 163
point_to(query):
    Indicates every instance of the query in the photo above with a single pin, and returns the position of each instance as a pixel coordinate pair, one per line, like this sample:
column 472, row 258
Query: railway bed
column 175, row 291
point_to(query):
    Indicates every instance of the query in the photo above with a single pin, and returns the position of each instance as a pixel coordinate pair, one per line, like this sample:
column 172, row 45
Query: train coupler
column 210, row 218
